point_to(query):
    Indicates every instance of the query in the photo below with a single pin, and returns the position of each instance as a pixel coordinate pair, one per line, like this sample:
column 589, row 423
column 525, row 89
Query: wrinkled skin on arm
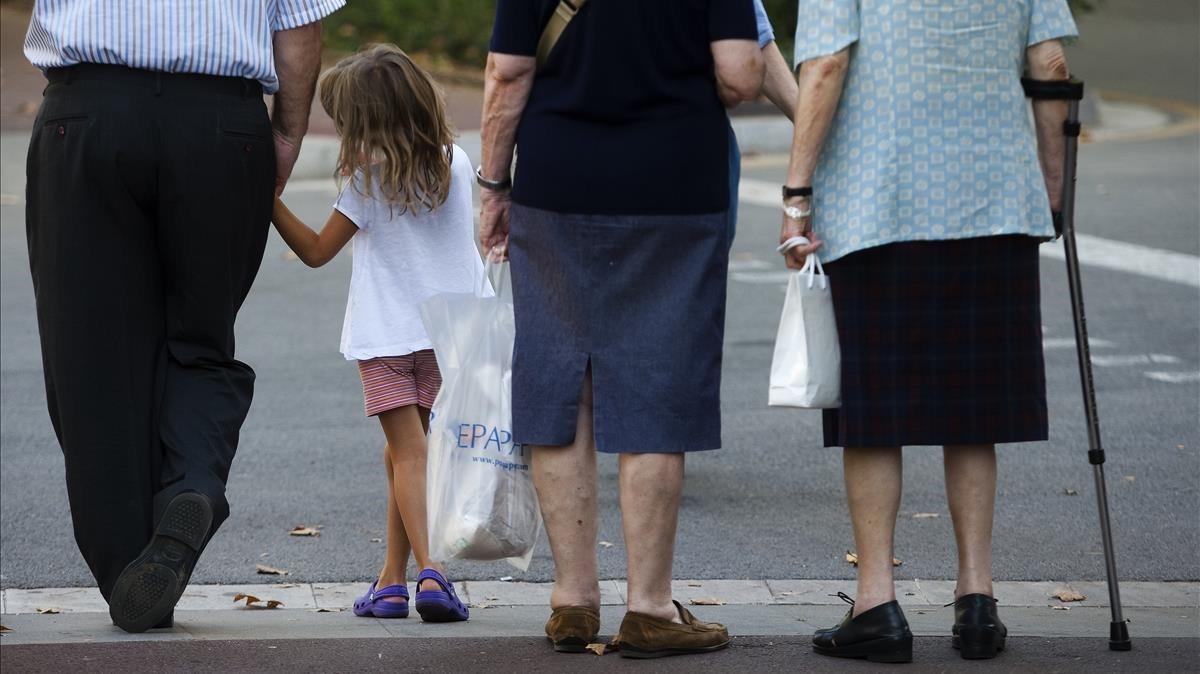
column 297, row 63
column 820, row 89
column 1047, row 61
column 508, row 80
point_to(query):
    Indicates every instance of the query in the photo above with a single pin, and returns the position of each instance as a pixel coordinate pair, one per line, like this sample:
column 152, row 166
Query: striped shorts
column 396, row 381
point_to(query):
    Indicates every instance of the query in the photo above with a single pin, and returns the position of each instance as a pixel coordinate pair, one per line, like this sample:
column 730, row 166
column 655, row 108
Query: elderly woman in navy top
column 929, row 203
column 616, row 227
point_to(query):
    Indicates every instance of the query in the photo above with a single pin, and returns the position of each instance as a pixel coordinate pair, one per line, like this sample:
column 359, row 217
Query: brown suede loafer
column 644, row 636
column 572, row 628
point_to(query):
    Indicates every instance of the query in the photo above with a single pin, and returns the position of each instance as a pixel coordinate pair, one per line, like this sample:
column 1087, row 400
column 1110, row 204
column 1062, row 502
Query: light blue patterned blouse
column 933, row 137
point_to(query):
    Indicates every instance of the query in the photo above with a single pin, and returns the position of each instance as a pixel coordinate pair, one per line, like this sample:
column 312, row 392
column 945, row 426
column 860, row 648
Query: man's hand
column 493, row 222
column 286, row 152
column 795, row 257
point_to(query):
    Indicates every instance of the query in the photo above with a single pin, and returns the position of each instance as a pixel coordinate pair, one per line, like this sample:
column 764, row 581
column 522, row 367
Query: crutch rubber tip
column 1118, row 637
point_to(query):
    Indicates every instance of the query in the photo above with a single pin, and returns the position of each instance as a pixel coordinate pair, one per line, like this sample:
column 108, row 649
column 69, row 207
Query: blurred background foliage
column 456, row 32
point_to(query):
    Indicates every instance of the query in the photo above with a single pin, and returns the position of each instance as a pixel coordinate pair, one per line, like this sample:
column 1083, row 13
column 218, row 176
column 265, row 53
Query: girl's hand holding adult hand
column 794, row 258
column 493, row 222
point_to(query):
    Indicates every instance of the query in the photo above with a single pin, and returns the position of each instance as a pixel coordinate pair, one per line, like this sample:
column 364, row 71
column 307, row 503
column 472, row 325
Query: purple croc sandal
column 375, row 602
column 439, row 606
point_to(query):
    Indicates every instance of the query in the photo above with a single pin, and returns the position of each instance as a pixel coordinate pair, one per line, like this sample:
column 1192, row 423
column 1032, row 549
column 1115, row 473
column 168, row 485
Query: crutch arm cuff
column 1053, row 90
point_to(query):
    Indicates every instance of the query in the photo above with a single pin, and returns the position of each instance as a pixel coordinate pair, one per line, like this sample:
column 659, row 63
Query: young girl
column 407, row 206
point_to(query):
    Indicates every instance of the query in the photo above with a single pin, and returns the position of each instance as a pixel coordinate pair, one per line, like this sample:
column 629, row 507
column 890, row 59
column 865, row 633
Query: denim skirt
column 640, row 300
column 941, row 344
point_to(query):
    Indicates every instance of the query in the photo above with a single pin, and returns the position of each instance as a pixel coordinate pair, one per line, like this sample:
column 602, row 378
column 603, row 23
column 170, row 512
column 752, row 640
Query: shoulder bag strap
column 566, row 10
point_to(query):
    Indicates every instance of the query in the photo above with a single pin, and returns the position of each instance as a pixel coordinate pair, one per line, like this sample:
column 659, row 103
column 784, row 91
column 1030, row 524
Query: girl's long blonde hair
column 392, row 122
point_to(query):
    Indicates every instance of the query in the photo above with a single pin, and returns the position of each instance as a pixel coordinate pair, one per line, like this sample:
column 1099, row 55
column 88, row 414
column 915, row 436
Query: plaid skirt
column 941, row 344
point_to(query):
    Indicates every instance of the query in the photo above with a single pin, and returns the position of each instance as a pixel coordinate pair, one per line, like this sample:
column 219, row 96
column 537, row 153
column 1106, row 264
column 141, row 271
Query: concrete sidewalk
column 507, row 609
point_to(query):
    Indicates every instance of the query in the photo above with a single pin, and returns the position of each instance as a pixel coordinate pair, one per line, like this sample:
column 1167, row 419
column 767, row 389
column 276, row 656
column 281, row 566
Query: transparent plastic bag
column 481, row 501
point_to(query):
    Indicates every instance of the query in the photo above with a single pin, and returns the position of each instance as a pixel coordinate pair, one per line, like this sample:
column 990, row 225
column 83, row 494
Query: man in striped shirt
column 151, row 174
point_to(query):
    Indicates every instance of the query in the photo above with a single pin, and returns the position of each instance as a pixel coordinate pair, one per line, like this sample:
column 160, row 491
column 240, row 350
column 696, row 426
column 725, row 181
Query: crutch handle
column 1053, row 90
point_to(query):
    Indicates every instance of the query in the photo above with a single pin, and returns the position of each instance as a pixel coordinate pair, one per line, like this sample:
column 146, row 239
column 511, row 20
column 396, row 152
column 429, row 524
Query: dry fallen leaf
column 326, row 610
column 1064, row 594
column 1071, row 492
column 303, row 530
column 49, row 610
column 706, row 601
column 255, row 602
column 269, row 570
column 605, row 544
column 598, row 649
column 925, row 516
column 852, row 559
column 4, row 628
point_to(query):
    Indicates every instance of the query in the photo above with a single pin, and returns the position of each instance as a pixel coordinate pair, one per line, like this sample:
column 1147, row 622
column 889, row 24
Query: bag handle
column 812, row 264
column 566, row 10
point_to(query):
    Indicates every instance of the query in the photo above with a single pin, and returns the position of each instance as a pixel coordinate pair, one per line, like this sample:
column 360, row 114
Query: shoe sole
column 146, row 591
column 627, row 651
column 439, row 608
column 571, row 645
column 978, row 644
column 877, row 650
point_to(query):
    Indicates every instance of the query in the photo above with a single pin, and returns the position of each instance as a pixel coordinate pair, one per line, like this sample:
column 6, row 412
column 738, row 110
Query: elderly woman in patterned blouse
column 915, row 172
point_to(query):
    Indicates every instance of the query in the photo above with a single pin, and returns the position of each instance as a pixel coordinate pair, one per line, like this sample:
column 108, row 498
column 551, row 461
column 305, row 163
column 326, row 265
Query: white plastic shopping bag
column 481, row 500
column 807, row 366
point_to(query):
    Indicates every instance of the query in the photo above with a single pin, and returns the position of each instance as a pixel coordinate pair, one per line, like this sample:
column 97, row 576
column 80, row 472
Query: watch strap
column 504, row 184
column 789, row 192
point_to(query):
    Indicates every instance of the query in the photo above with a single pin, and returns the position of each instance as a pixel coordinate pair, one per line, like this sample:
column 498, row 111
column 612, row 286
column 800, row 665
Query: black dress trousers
column 148, row 203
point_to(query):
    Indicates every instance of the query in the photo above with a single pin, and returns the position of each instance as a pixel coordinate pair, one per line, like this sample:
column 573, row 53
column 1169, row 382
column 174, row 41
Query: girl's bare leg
column 395, row 565
column 405, row 431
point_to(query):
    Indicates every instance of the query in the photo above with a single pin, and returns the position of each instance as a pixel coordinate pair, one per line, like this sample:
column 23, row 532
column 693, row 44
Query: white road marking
column 1174, row 377
column 1132, row 258
column 1069, row 343
column 311, row 185
column 747, row 264
column 1133, row 359
column 1165, row 265
column 764, row 277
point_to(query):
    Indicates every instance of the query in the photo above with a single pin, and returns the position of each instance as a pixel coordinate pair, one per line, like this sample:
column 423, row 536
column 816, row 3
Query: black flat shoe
column 146, row 592
column 978, row 632
column 880, row 634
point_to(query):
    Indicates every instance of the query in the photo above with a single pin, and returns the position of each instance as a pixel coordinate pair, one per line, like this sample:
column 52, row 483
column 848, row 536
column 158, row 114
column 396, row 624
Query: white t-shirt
column 402, row 259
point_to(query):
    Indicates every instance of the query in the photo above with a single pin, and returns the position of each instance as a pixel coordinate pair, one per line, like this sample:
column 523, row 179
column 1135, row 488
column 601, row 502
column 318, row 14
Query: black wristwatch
column 789, row 192
column 499, row 185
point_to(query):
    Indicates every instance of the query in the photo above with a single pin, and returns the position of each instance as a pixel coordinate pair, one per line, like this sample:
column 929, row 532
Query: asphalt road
column 768, row 505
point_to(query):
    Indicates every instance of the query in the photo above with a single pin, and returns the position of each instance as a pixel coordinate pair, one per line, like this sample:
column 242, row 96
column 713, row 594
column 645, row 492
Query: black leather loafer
column 880, row 634
column 146, row 592
column 978, row 632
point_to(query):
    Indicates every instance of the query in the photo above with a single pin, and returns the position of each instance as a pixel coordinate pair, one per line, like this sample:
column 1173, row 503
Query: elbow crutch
column 1071, row 91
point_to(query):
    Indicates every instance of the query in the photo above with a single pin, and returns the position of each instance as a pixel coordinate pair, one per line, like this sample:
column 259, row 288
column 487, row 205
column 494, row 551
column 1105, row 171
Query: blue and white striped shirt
column 232, row 38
